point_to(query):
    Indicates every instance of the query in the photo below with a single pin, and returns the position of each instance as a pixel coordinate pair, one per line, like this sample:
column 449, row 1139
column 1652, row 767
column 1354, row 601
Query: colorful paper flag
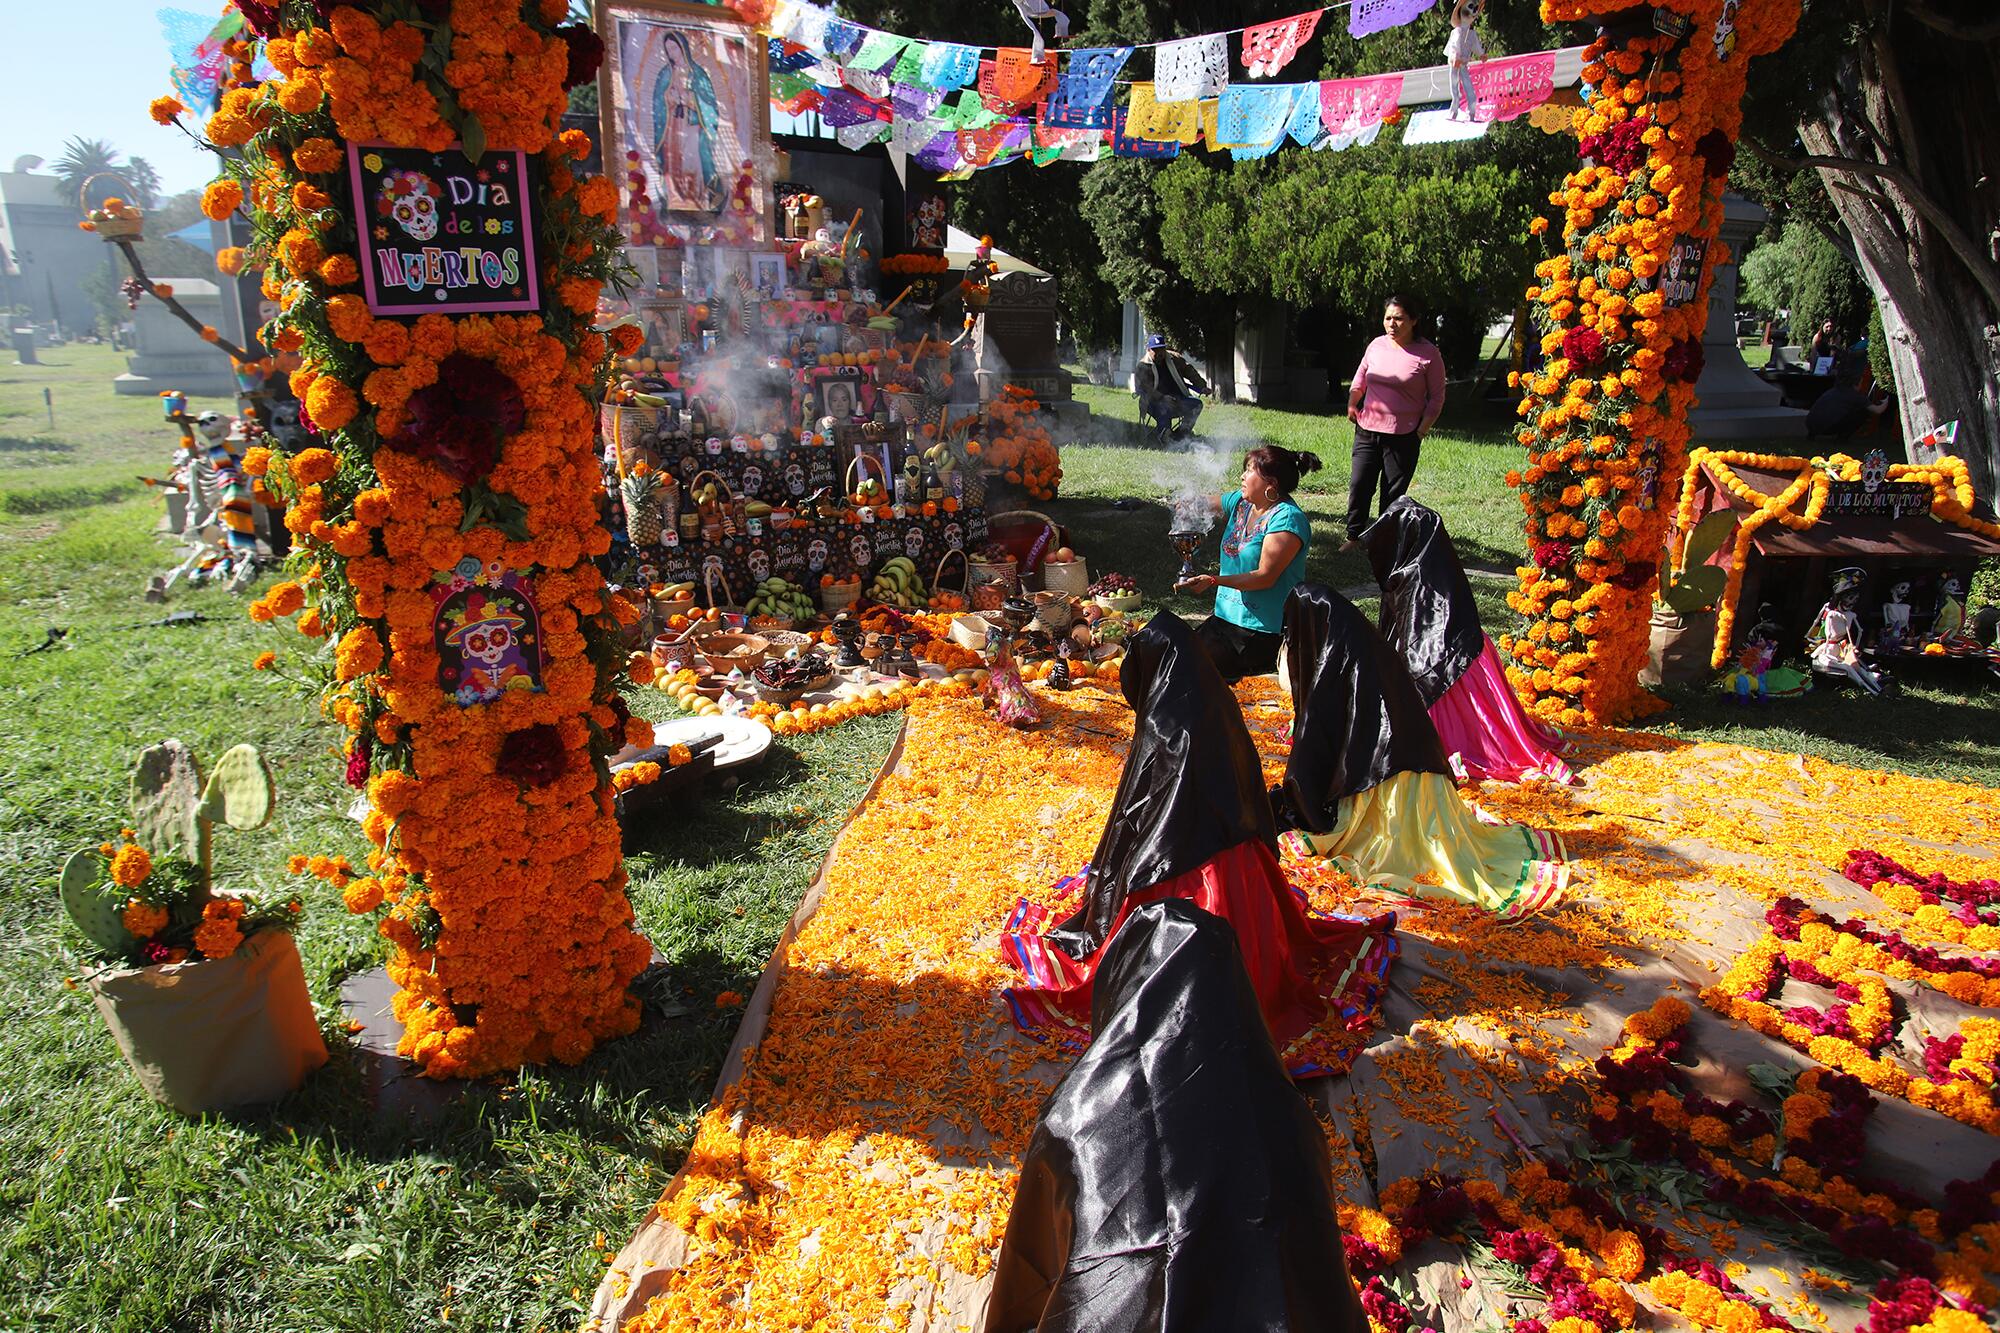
column 1146, row 117
column 1269, row 47
column 1369, row 16
column 1348, row 105
column 1249, row 117
column 1124, row 145
column 1063, row 113
column 1192, row 68
column 949, row 66
column 1512, row 86
column 877, row 50
column 910, row 65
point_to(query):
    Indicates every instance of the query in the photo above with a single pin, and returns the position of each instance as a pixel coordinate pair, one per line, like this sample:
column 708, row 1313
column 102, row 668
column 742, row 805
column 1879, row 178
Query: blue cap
column 1155, row 340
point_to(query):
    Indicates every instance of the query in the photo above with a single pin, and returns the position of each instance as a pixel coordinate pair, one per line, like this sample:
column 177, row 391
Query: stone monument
column 1017, row 343
column 1731, row 402
column 167, row 354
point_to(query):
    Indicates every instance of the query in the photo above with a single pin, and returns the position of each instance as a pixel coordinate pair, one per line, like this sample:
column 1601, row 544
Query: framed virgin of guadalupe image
column 683, row 103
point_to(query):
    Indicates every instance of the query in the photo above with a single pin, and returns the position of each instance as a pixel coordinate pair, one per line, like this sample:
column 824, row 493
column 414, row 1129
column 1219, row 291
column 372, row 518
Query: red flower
column 533, row 756
column 1685, row 360
column 1584, row 347
column 357, row 764
column 1552, row 555
column 586, row 52
column 1621, row 148
column 460, row 422
column 1717, row 152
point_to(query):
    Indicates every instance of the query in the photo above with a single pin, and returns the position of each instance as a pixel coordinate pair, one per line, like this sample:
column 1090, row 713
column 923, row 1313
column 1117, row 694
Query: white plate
column 743, row 741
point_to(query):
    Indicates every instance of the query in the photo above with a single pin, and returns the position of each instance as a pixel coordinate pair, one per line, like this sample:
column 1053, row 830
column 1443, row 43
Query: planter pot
column 1679, row 650
column 213, row 1034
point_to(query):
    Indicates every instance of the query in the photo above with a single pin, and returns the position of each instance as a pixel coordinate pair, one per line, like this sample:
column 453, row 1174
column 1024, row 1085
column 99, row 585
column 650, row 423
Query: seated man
column 1845, row 408
column 1167, row 386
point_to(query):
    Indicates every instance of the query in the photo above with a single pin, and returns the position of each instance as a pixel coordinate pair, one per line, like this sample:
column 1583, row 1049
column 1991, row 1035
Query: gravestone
column 1731, row 402
column 168, row 355
column 1017, row 341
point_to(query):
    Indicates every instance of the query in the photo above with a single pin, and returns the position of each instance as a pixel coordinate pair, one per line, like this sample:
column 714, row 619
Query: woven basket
column 1054, row 611
column 837, row 597
column 1072, row 577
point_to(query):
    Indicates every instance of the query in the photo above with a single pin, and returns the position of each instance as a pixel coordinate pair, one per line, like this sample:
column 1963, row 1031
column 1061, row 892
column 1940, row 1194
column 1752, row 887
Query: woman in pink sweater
column 1397, row 394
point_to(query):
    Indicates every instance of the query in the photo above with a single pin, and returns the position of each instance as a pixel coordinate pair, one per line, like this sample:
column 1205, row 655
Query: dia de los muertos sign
column 442, row 232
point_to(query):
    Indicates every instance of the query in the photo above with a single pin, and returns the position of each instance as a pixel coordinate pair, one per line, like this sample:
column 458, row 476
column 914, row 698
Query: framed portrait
column 683, row 102
column 837, row 396
column 768, row 277
column 665, row 325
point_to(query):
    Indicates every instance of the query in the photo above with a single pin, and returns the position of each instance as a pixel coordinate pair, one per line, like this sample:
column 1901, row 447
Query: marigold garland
column 1605, row 419
column 496, row 863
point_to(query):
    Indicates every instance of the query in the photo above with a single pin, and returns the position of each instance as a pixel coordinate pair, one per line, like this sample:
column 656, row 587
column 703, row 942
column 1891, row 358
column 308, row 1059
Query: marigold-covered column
column 1621, row 311
column 438, row 264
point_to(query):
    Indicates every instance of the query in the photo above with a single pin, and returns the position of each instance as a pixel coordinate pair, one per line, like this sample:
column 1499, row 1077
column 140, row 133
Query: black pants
column 1237, row 650
column 1392, row 459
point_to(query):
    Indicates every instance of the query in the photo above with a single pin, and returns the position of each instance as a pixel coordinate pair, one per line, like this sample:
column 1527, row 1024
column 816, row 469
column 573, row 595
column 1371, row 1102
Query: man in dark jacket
column 1168, row 389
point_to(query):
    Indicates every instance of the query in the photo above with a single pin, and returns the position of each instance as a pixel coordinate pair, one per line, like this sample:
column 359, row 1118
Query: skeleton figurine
column 1896, row 618
column 1836, row 635
column 1948, row 628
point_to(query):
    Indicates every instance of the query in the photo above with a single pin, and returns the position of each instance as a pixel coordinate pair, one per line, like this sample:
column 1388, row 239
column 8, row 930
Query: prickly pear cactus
column 94, row 903
column 166, row 799
column 240, row 790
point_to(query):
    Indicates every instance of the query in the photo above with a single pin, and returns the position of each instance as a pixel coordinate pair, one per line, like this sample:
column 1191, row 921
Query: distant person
column 1825, row 343
column 1397, row 394
column 1843, row 409
column 1169, row 389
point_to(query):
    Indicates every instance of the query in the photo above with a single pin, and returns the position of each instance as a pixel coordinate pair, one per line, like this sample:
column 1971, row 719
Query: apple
column 1063, row 555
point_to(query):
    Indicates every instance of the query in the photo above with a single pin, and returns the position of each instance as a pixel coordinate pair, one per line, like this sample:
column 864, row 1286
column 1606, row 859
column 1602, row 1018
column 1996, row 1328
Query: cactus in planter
column 94, row 903
column 174, row 816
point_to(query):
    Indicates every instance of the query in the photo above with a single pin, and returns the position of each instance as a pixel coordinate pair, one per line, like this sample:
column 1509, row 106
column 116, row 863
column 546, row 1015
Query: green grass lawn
column 120, row 1215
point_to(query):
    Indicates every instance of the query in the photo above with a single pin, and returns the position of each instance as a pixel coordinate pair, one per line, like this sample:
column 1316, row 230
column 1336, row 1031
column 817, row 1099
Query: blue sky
column 88, row 70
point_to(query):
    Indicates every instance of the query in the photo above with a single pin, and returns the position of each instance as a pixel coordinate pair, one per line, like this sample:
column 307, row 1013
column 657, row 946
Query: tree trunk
column 1905, row 147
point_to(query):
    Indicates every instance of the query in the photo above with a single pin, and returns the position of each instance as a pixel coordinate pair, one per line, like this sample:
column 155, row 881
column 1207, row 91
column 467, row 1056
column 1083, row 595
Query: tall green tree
column 83, row 158
column 1334, row 233
column 1807, row 274
column 1890, row 106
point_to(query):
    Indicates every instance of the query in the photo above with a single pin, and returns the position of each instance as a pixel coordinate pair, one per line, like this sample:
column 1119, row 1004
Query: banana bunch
column 898, row 584
column 676, row 592
column 777, row 597
column 941, row 457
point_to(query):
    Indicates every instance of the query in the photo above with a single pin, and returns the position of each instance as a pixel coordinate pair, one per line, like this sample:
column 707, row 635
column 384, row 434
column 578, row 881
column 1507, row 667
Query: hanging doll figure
column 1460, row 50
column 1003, row 691
column 1836, row 635
column 1896, row 619
column 1030, row 11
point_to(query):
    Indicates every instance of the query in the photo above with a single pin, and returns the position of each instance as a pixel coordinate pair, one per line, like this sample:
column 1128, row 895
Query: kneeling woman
column 1368, row 785
column 1264, row 541
column 1428, row 616
column 1191, row 820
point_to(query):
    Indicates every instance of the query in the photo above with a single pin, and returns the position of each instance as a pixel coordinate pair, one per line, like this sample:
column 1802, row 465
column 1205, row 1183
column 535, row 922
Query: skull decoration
column 753, row 480
column 213, row 427
column 411, row 199
column 1874, row 470
column 954, row 536
column 760, row 565
column 795, row 480
column 816, row 554
column 913, row 543
column 862, row 550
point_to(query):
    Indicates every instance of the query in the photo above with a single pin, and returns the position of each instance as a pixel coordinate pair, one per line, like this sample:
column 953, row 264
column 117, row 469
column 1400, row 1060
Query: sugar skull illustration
column 753, row 480
column 862, row 551
column 954, row 536
column 1874, row 470
column 487, row 642
column 760, row 565
column 913, row 543
column 411, row 199
column 795, row 480
column 816, row 554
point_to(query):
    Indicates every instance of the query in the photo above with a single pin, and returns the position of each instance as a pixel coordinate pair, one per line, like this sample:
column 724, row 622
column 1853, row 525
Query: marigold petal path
column 858, row 1172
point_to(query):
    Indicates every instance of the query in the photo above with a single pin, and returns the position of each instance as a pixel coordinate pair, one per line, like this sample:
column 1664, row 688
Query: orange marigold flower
column 286, row 598
column 221, row 198
column 359, row 653
column 265, row 661
column 143, row 919
column 317, row 156
column 331, row 403
column 301, row 93
column 210, row 334
column 130, row 866
column 166, row 110
column 314, row 465
column 340, row 271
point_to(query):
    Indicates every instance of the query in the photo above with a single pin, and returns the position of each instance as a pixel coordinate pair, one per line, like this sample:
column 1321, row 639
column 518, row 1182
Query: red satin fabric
column 1299, row 963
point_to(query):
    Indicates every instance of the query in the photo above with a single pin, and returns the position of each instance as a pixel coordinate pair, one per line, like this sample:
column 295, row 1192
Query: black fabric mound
column 1176, row 1179
column 1428, row 614
column 1192, row 786
column 1357, row 718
